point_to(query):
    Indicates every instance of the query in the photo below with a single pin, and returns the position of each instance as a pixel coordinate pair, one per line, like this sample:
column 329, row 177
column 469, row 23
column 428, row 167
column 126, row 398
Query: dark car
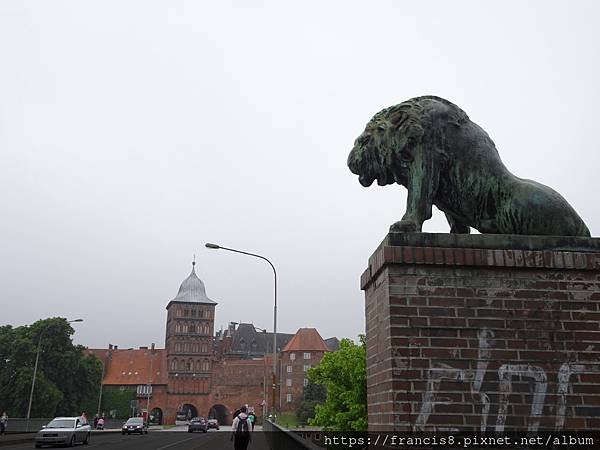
column 198, row 424
column 213, row 423
column 135, row 425
column 64, row 430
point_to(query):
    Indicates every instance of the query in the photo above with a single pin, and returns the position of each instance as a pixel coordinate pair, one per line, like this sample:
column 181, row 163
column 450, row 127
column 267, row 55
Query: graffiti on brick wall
column 441, row 371
column 505, row 373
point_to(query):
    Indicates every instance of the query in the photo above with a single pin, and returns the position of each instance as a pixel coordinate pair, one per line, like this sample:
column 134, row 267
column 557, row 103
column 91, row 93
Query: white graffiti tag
column 564, row 374
column 440, row 371
column 505, row 373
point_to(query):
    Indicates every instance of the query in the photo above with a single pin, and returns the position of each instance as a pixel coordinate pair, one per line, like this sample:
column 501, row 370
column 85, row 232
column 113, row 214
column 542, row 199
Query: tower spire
column 194, row 261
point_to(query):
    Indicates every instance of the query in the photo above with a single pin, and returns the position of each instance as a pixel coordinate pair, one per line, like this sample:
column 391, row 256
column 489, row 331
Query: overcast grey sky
column 132, row 132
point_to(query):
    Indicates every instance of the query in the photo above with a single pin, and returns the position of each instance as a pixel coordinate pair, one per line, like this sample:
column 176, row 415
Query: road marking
column 175, row 443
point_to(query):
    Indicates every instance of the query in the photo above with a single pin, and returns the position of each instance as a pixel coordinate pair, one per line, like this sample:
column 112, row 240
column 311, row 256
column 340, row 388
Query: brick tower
column 189, row 346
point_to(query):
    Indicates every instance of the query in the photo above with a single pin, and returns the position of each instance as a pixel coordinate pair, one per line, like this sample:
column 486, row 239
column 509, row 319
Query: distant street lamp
column 149, row 386
column 216, row 247
column 264, row 402
column 37, row 357
column 101, row 380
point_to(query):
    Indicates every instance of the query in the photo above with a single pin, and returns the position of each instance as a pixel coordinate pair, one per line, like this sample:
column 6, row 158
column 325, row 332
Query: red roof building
column 195, row 376
column 304, row 351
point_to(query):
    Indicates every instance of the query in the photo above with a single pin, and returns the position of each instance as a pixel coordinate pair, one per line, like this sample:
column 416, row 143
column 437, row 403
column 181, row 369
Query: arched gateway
column 221, row 413
column 187, row 412
column 156, row 416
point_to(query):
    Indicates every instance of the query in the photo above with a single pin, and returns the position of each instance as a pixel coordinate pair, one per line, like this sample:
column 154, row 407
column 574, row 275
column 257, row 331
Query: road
column 165, row 440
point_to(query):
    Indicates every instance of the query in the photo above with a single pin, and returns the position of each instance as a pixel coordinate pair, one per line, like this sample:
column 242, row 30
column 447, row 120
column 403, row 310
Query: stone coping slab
column 492, row 250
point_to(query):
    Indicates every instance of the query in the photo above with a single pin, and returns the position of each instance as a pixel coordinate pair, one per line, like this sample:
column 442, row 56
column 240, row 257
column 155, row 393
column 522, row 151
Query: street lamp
column 264, row 403
column 37, row 358
column 149, row 386
column 217, row 247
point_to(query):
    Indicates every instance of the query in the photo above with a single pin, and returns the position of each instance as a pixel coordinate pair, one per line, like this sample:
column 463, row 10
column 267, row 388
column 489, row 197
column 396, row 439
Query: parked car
column 135, row 425
column 64, row 431
column 198, row 424
column 213, row 423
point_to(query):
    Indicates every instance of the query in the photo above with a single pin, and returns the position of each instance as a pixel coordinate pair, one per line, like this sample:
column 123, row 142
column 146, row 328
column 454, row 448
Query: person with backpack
column 242, row 427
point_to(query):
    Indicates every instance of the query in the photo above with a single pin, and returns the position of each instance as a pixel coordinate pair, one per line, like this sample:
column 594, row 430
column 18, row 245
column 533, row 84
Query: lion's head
column 386, row 149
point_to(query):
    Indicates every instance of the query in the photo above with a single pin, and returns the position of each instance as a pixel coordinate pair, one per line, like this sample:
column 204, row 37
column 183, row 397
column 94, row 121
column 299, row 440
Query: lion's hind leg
column 456, row 226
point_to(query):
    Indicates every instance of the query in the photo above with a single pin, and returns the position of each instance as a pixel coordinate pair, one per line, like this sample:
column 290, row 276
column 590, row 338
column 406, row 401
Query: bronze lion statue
column 431, row 147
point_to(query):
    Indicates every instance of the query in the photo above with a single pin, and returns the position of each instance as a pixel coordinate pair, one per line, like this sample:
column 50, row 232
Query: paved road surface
column 165, row 440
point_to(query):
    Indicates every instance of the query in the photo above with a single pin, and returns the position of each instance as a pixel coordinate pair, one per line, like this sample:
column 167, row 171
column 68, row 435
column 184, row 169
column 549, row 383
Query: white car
column 64, row 430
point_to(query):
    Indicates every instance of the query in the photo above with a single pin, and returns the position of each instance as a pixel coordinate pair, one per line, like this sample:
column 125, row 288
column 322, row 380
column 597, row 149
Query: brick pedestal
column 483, row 332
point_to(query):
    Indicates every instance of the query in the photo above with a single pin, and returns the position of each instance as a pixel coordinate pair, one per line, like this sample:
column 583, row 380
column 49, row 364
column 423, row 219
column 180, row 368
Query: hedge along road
column 164, row 440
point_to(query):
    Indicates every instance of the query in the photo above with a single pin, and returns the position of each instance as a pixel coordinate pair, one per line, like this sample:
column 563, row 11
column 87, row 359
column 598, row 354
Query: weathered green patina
column 430, row 146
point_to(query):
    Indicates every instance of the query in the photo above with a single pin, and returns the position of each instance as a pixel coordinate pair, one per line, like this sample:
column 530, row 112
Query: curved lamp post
column 218, row 247
column 37, row 358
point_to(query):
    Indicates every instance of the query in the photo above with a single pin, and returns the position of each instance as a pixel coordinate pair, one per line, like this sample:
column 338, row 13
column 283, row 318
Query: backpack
column 242, row 427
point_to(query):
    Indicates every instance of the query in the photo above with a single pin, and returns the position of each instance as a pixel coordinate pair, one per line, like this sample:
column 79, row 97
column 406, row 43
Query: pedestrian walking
column 252, row 418
column 96, row 417
column 3, row 423
column 241, row 430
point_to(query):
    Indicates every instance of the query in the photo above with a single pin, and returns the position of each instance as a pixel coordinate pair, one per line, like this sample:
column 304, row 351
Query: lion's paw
column 404, row 226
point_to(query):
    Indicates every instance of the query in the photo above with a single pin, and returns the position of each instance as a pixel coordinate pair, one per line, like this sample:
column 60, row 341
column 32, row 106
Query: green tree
column 313, row 395
column 344, row 375
column 117, row 400
column 66, row 377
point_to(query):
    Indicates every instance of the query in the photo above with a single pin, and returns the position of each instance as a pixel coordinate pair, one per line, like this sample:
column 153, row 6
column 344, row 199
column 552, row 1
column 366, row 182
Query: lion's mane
column 411, row 123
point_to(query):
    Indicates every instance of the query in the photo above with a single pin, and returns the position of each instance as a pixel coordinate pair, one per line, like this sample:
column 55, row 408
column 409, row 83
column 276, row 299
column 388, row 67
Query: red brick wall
column 233, row 383
column 240, row 382
column 175, row 401
column 461, row 338
column 158, row 399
